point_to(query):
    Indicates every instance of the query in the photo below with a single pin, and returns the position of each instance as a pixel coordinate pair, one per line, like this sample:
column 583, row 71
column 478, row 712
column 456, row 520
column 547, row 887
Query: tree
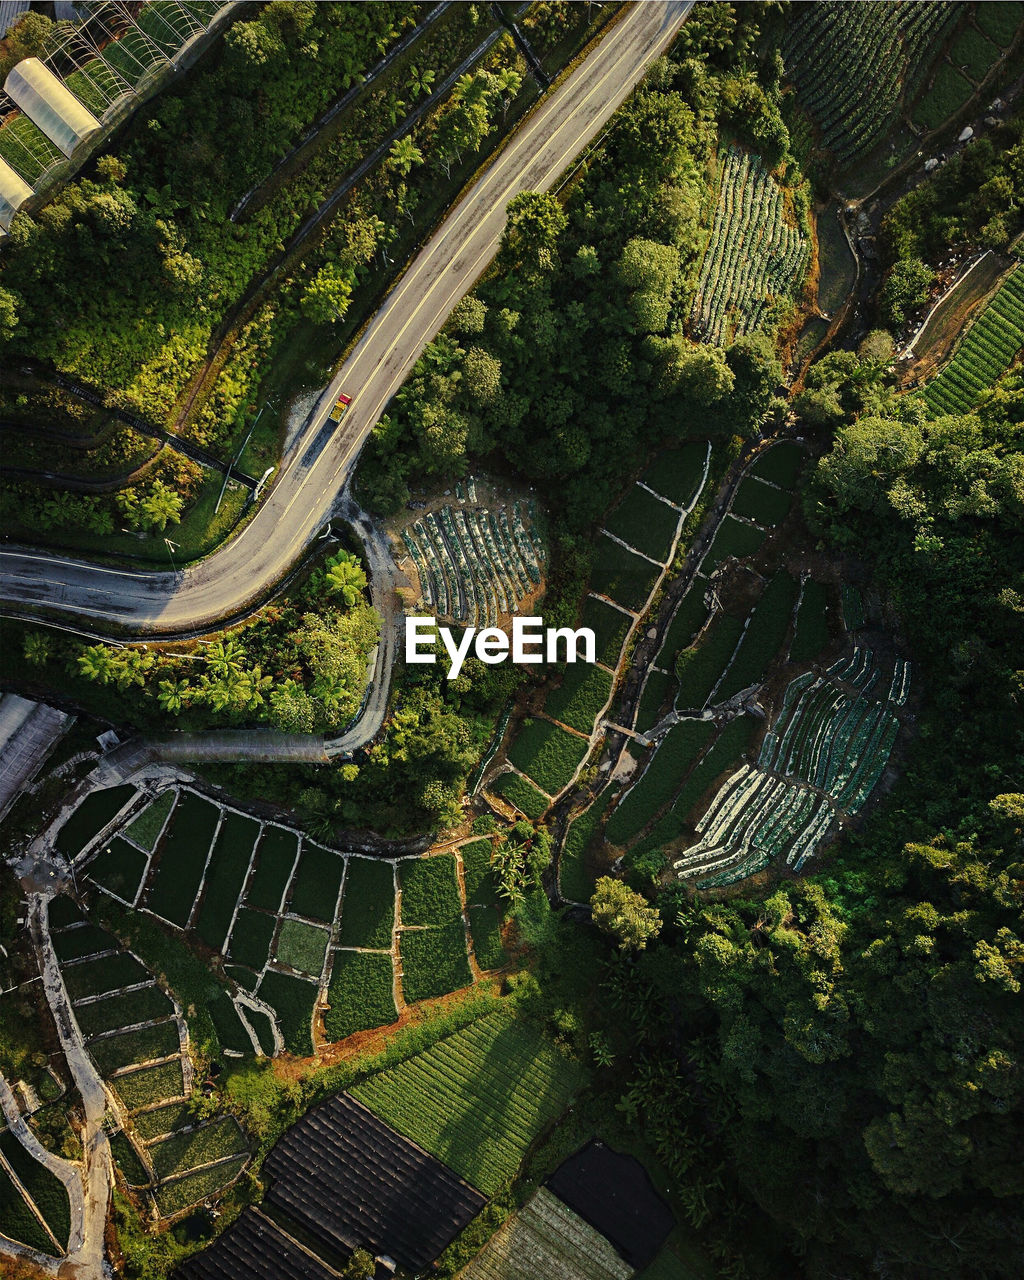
column 226, row 658
column 37, row 648
column 534, row 222
column 8, row 314
column 161, row 506
column 906, row 287
column 624, row 914
column 96, row 663
column 404, row 154
column 173, row 694
column 326, row 298
column 481, row 374
column 346, row 577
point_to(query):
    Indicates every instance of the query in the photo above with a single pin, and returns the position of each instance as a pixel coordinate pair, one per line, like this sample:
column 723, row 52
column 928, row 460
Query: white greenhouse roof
column 13, row 193
column 50, row 105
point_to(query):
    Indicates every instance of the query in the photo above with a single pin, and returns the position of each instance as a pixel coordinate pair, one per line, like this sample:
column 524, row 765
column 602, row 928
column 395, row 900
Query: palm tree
column 346, row 576
column 36, row 648
column 396, row 111
column 161, row 506
column 226, row 658
column 95, row 663
column 173, row 694
column 404, row 154
column 421, row 81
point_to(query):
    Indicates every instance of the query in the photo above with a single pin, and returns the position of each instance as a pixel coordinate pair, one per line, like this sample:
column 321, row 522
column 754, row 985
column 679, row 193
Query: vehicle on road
column 340, row 405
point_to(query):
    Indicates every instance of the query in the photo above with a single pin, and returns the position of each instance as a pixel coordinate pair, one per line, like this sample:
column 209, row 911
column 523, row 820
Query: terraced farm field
column 756, row 255
column 477, row 1099
column 986, row 351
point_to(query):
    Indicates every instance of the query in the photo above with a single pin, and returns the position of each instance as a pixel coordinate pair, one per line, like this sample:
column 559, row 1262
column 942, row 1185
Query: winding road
column 242, row 573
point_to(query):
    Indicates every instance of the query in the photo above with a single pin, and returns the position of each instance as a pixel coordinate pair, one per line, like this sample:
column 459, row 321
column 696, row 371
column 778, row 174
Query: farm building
column 50, row 105
column 13, row 194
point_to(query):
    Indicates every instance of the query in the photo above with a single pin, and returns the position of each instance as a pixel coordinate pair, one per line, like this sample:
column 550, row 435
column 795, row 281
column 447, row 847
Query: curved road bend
column 244, row 570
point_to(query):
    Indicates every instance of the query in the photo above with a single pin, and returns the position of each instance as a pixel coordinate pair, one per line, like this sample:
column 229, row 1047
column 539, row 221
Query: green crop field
column 146, row 828
column 46, row 1191
column 434, row 960
column 127, row 1160
column 734, row 538
column 86, row 940
column 761, row 503
column 302, row 946
column 1000, row 22
column 119, row 868
column 183, row 1152
column 174, row 885
column 360, row 994
column 973, row 52
column 261, row 1024
column 950, row 90
column 225, row 878
column 227, row 1023
column 316, row 884
column 644, row 522
column 765, row 634
column 109, row 973
column 621, row 575
column 781, row 464
column 547, row 754
column 92, row 815
column 430, row 891
column 368, row 905
column 114, row 1052
column 609, row 627
column 123, row 1011
column 811, row 634
column 64, row 911
column 985, row 353
column 699, row 668
column 853, row 607
column 517, row 791
column 251, row 938
column 476, row 874
column 292, row 999
column 478, row 1099
column 756, row 256
column 677, row 473
column 584, row 691
column 735, row 739
column 174, row 1196
column 485, row 930
column 575, row 882
column 656, row 692
column 151, row 1084
column 688, row 619
column 18, row 1222
column 275, row 857
column 676, row 753
column 161, row 1120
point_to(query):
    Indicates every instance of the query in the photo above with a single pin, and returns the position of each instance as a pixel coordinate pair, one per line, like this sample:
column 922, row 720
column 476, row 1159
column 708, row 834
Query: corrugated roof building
column 50, row 105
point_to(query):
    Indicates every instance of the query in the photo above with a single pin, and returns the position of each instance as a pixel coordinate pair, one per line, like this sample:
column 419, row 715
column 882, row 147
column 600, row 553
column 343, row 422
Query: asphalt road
column 102, row 599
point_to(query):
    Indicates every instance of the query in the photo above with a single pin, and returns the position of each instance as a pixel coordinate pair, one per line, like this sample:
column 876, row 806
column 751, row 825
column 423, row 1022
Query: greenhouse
column 50, row 105
column 13, row 194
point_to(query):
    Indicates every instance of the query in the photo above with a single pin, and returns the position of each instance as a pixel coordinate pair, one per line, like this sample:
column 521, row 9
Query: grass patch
column 92, row 815
column 547, row 754
column 760, row 502
column 609, row 627
column 360, row 994
column 764, row 637
column 114, row 1052
column 517, row 791
column 575, row 880
column 251, row 938
column 368, row 907
column 263, row 1027
column 580, row 697
column 292, row 999
column 146, row 828
column 243, row 977
column 227, row 1024
column 225, row 878
column 46, row 1190
column 1000, row 21
column 655, row 695
column 275, row 857
column 174, row 886
column 479, row 1098
column 430, row 891
column 485, row 930
column 434, row 961
column 123, row 1011
column 781, row 464
column 950, row 90
column 119, row 868
column 698, row 668
column 302, row 946
column 316, row 884
column 621, row 575
column 186, row 1151
column 161, row 1120
column 86, row 940
column 811, row 635
column 476, row 874
column 734, row 538
column 174, row 1196
column 150, row 1084
column 972, row 51
column 127, row 1160
column 96, row 977
column 645, row 523
column 676, row 473
column 678, row 750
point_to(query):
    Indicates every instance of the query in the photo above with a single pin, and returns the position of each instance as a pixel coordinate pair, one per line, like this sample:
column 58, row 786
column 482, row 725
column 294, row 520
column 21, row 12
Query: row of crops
column 34, row 1206
column 303, row 929
column 137, row 1039
column 754, row 256
column 818, row 764
column 987, row 350
column 474, row 565
column 853, row 63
